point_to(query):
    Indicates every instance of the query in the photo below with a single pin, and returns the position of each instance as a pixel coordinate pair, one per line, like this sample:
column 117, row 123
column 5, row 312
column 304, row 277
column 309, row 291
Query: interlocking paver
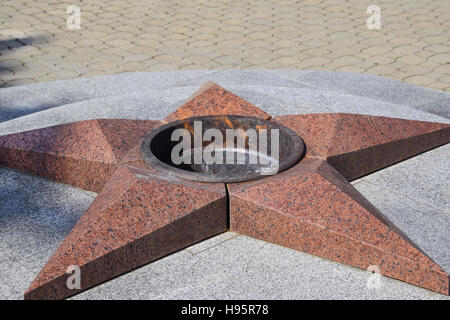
column 413, row 60
column 420, row 80
column 413, row 44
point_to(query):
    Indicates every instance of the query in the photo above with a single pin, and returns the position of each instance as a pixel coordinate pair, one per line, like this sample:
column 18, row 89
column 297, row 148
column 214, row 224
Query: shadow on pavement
column 7, row 50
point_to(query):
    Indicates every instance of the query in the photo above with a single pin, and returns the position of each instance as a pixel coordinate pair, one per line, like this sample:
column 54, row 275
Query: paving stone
column 439, row 48
column 284, row 30
column 420, row 80
column 411, row 59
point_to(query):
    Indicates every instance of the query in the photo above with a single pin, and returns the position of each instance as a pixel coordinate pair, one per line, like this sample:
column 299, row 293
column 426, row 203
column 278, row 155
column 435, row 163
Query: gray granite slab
column 130, row 107
column 157, row 104
column 22, row 100
column 211, row 242
column 427, row 227
column 74, row 90
column 36, row 216
column 424, row 178
column 375, row 87
column 152, row 105
column 19, row 101
column 303, row 100
column 14, row 279
column 275, row 272
column 227, row 78
column 438, row 107
column 177, row 276
column 30, row 245
column 8, row 293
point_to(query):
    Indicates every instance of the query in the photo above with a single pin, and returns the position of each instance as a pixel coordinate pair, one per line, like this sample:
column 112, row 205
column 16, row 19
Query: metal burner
column 222, row 148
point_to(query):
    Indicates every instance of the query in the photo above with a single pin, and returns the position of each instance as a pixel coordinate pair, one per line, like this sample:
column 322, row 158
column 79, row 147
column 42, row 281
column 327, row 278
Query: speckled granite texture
column 83, row 154
column 138, row 217
column 358, row 144
column 312, row 208
column 424, row 261
column 212, row 99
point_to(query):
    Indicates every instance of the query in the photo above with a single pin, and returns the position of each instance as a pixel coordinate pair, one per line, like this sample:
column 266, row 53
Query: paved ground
column 412, row 45
column 36, row 214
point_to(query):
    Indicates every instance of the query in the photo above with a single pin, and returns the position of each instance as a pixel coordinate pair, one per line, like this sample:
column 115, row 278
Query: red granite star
column 141, row 215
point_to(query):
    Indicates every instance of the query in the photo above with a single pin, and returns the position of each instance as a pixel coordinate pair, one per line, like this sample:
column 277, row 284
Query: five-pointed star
column 141, row 215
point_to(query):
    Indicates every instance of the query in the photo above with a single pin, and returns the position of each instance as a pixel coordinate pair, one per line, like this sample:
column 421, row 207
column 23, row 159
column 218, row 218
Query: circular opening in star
column 222, row 148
